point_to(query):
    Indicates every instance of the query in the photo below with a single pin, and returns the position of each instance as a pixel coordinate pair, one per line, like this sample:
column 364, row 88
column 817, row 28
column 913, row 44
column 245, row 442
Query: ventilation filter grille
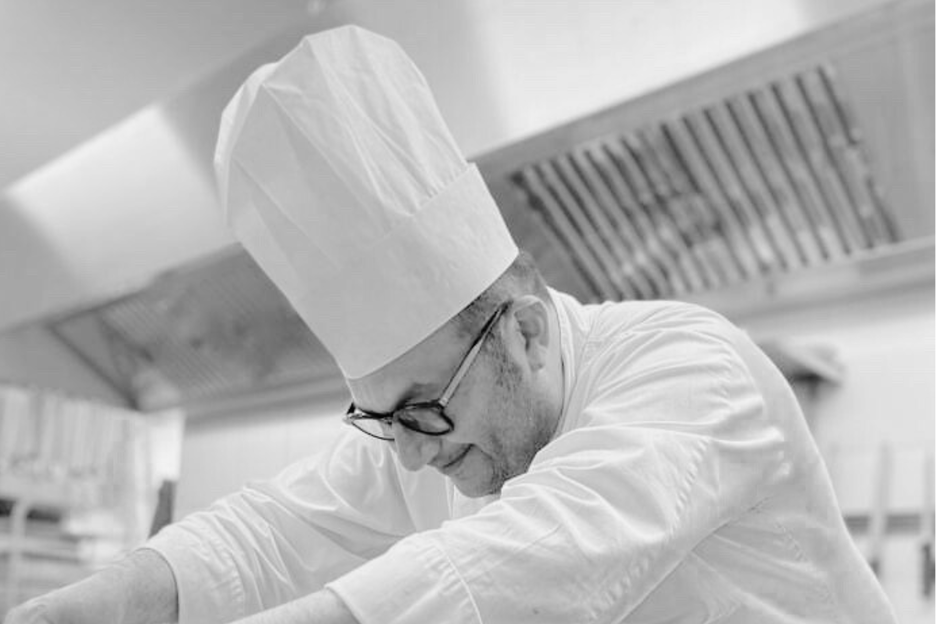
column 212, row 331
column 766, row 182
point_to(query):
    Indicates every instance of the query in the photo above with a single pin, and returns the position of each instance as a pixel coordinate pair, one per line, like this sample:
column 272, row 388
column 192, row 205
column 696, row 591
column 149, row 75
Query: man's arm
column 279, row 540
column 322, row 607
column 140, row 589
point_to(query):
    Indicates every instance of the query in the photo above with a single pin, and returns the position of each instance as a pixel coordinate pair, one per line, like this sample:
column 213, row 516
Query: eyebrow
column 412, row 391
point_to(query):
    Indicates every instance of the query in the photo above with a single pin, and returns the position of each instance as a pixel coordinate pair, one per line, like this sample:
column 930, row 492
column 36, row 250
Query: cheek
column 500, row 422
column 522, row 434
column 502, row 433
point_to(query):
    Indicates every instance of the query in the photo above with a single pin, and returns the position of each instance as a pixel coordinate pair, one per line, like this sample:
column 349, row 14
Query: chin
column 476, row 490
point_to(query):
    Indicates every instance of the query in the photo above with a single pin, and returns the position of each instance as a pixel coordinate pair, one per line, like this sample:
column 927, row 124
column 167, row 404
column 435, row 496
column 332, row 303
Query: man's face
column 501, row 418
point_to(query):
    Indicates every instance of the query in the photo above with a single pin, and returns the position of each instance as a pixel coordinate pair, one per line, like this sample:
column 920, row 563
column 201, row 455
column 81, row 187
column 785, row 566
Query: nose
column 415, row 449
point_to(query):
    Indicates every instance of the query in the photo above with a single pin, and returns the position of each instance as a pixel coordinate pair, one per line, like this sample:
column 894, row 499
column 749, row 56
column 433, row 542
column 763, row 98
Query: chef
column 513, row 455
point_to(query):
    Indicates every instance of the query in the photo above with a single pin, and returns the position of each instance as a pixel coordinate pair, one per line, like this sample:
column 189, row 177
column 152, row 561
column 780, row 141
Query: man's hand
column 51, row 609
column 322, row 607
column 70, row 605
column 140, row 589
column 32, row 612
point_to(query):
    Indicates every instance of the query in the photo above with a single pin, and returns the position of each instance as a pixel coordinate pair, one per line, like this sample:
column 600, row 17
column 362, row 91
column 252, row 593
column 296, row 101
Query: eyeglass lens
column 422, row 419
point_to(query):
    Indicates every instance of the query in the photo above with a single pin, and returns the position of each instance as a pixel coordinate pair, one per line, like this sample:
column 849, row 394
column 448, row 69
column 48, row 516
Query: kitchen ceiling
column 70, row 70
column 110, row 107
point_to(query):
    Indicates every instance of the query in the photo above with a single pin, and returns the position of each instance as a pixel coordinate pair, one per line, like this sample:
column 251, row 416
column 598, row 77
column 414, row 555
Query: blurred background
column 771, row 160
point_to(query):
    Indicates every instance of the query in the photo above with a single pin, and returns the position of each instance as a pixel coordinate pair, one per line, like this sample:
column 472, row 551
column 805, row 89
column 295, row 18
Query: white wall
column 219, row 455
column 32, row 356
column 103, row 220
column 887, row 398
column 886, row 345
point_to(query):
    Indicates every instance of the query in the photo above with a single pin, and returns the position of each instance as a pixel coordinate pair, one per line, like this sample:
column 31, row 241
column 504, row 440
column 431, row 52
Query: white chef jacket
column 682, row 486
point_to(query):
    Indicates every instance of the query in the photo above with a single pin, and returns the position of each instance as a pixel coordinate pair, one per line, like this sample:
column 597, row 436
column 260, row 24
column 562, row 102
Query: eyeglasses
column 425, row 417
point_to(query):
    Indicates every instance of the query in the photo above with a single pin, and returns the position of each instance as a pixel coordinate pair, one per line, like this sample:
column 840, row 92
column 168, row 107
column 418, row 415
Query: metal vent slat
column 677, row 210
column 762, row 183
column 541, row 200
column 842, row 140
column 692, row 262
column 661, row 238
column 731, row 194
column 772, row 254
column 582, row 222
column 752, row 188
column 813, row 152
column 583, row 198
column 636, row 264
column 586, row 231
column 810, row 151
column 711, row 198
column 650, row 254
column 722, row 264
column 784, row 201
column 781, row 135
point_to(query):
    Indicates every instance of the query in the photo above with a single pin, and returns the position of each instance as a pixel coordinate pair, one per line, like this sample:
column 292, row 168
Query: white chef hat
column 339, row 176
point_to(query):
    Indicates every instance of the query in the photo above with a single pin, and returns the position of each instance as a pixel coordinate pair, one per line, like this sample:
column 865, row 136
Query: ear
column 532, row 315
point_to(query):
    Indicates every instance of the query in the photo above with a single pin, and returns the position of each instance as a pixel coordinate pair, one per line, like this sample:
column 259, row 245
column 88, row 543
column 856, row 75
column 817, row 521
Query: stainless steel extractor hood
column 768, row 180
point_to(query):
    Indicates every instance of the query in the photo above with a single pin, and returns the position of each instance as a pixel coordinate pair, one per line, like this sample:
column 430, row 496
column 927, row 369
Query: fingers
column 33, row 612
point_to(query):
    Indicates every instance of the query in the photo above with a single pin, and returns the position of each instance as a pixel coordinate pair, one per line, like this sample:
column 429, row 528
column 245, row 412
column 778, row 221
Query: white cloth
column 683, row 487
column 338, row 174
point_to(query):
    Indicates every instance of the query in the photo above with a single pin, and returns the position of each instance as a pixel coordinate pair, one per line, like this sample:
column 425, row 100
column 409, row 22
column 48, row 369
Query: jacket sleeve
column 275, row 541
column 673, row 441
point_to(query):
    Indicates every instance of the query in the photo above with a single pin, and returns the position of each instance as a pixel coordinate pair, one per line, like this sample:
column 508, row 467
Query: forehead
column 420, row 373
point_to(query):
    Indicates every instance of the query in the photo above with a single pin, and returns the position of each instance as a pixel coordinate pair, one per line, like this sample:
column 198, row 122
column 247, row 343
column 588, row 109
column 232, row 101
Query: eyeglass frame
column 438, row 405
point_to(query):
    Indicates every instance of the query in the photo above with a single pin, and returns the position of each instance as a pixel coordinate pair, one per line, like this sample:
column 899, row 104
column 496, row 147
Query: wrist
column 139, row 589
column 90, row 600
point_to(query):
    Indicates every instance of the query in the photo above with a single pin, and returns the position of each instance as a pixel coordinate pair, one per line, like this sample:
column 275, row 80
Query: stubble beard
column 519, row 403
